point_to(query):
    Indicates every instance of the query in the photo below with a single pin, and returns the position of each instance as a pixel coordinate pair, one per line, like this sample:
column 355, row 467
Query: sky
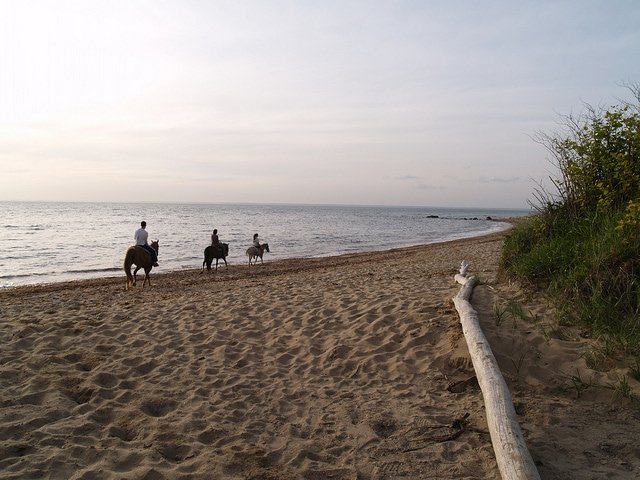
column 416, row 103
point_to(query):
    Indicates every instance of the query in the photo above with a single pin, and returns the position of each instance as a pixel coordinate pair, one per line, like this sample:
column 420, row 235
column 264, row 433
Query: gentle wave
column 24, row 227
column 95, row 270
column 23, row 275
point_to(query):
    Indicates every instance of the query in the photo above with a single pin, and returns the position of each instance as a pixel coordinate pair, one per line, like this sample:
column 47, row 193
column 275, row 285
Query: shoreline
column 34, row 275
column 99, row 280
column 351, row 366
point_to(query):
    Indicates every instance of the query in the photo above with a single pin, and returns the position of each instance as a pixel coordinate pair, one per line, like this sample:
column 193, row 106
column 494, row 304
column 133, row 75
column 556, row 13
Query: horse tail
column 208, row 258
column 206, row 251
column 128, row 261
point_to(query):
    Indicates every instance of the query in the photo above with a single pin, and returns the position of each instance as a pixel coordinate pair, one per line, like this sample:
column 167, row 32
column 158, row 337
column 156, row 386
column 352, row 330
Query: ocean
column 46, row 242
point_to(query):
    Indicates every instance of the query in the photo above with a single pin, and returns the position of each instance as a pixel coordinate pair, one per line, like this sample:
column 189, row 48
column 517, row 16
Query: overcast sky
column 430, row 103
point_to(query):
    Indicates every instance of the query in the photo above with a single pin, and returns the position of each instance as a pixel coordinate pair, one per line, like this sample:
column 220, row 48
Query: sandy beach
column 349, row 367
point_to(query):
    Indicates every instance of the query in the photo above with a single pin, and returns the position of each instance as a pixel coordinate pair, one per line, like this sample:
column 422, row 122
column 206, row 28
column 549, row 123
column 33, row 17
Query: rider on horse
column 141, row 236
column 256, row 241
column 215, row 241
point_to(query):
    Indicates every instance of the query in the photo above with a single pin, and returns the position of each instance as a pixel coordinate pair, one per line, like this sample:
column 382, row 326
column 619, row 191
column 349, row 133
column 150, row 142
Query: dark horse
column 215, row 251
column 139, row 257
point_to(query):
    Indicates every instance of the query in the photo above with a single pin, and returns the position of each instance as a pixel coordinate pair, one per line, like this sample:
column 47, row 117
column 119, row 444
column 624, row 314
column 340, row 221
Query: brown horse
column 139, row 257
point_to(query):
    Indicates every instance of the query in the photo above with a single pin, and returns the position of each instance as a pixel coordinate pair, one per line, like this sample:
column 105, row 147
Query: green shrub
column 583, row 244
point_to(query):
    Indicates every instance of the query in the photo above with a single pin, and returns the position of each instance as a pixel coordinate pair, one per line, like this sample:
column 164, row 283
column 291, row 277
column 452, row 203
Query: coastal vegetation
column 582, row 245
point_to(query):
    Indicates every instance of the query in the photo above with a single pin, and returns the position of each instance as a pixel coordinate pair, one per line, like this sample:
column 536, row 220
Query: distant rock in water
column 456, row 218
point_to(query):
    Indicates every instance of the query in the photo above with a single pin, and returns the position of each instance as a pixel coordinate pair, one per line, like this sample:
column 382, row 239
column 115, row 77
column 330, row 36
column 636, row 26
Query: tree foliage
column 598, row 158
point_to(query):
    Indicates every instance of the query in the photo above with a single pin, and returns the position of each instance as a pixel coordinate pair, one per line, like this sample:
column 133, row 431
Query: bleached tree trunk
column 512, row 455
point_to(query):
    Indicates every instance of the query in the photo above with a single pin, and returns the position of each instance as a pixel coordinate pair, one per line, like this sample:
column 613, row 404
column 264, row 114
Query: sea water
column 45, row 242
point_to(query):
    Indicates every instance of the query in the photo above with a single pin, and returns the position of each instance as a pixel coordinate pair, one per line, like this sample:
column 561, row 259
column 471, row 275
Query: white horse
column 257, row 252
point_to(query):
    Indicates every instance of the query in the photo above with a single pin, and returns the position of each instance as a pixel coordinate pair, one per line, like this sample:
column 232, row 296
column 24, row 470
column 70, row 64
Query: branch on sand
column 513, row 457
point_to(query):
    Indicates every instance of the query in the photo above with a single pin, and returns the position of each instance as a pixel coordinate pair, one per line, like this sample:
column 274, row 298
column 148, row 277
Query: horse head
column 225, row 248
column 265, row 246
column 155, row 244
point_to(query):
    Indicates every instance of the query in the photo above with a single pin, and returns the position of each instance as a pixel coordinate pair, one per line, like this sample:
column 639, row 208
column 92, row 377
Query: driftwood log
column 512, row 456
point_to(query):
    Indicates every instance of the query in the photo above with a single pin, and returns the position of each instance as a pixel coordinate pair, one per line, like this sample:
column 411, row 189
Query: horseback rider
column 256, row 241
column 215, row 241
column 141, row 237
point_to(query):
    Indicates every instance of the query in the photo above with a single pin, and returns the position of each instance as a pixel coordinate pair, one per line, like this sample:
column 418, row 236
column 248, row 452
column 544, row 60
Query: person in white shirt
column 256, row 241
column 141, row 237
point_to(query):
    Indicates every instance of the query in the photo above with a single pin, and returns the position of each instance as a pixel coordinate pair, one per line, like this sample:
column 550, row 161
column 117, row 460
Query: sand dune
column 351, row 367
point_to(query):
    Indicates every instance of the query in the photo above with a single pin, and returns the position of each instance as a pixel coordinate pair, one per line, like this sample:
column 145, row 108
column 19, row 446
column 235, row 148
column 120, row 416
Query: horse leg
column 225, row 263
column 216, row 264
column 129, row 278
column 147, row 277
column 135, row 278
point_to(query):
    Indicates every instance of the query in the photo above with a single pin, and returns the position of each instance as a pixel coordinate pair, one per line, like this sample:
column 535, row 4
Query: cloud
column 407, row 177
column 305, row 103
column 500, row 179
column 424, row 186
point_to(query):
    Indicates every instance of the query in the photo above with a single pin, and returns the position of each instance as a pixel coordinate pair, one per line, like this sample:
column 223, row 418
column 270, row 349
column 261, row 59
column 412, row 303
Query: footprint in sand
column 158, row 408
